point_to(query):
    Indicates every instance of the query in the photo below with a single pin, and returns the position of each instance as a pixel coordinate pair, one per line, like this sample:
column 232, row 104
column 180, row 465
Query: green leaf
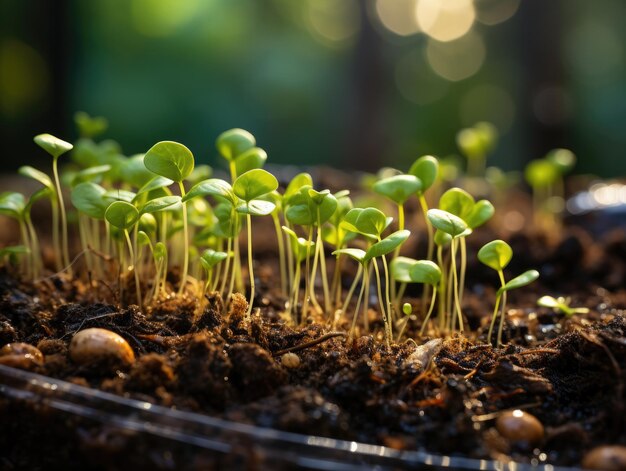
column 299, row 245
column 480, row 213
column 90, row 126
column 425, row 271
column 159, row 204
column 147, row 223
column 38, row 175
column 170, row 160
column 142, row 238
column 487, row 134
column 519, row 281
column 496, row 254
column 251, row 159
column 426, row 168
column 367, row 221
column 122, row 215
column 234, row 142
column 387, row 245
column 541, row 173
column 53, row 145
column 90, row 174
column 213, row 187
column 12, row 204
column 254, row 183
column 160, row 251
column 442, row 238
column 41, row 193
column 447, row 222
column 212, row 257
column 256, row 208
column 357, row 254
column 399, row 267
column 154, row 184
column 549, row 301
column 398, row 188
column 88, row 198
column 133, row 171
column 306, row 205
column 296, row 183
column 457, row 201
column 119, row 195
column 199, row 173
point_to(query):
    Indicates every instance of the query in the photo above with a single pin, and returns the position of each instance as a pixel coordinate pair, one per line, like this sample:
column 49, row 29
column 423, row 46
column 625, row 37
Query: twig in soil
column 311, row 343
column 534, row 351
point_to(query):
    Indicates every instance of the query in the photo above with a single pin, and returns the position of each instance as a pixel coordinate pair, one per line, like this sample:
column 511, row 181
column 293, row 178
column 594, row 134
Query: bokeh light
column 493, row 12
column 445, row 20
column 398, row 16
column 456, row 60
column 331, row 21
column 416, row 81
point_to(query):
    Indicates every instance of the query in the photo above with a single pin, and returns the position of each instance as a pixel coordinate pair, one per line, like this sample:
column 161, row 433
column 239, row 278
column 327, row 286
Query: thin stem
column 502, row 316
column 134, row 261
column 346, row 303
column 56, row 244
column 381, row 303
column 65, row 250
column 281, row 254
column 430, row 311
column 388, row 304
column 442, row 290
column 250, row 264
column 27, row 261
column 456, row 285
column 322, row 257
column 229, row 247
column 183, row 279
column 431, row 244
column 34, row 240
column 495, row 311
column 307, row 274
column 358, row 301
column 462, row 270
column 366, row 304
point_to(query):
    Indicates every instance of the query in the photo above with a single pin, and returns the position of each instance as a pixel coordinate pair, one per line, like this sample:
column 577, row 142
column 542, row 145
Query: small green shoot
column 561, row 304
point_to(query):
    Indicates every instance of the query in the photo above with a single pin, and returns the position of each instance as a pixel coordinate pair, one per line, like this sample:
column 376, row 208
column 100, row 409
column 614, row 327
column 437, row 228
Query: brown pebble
column 94, row 345
column 606, row 458
column 290, row 360
column 520, row 427
column 21, row 355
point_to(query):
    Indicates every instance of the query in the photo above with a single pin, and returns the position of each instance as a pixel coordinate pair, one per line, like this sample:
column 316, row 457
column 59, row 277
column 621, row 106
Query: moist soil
column 420, row 394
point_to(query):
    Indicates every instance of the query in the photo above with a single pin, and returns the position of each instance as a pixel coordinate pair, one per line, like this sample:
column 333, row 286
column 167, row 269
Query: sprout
column 57, row 147
column 496, row 255
column 561, row 304
column 174, row 161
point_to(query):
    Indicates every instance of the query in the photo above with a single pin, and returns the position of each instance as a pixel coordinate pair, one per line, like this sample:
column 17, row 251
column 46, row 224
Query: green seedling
column 301, row 249
column 12, row 253
column 57, row 147
column 249, row 187
column 545, row 177
column 232, row 144
column 496, row 255
column 209, row 259
column 88, row 126
column 475, row 144
column 311, row 209
column 426, row 169
column 124, row 216
column 174, row 161
column 562, row 305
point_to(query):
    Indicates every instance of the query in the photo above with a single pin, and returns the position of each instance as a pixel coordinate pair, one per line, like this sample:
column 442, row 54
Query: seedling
column 174, row 161
column 250, row 186
column 209, row 259
column 124, row 216
column 426, row 169
column 497, row 254
column 475, row 144
column 57, row 147
column 561, row 304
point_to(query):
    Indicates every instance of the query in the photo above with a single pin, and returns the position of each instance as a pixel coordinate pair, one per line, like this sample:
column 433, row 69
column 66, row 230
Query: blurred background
column 349, row 83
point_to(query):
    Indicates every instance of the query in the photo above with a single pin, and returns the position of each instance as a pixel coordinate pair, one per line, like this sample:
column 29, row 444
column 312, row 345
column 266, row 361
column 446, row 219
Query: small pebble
column 290, row 360
column 21, row 355
column 92, row 345
column 520, row 427
column 606, row 458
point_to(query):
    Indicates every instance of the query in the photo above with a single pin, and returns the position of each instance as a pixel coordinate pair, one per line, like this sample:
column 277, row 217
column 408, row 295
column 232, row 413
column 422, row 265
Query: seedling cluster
column 152, row 212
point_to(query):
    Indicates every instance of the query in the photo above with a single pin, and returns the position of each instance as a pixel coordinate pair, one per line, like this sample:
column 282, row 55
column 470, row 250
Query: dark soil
column 443, row 397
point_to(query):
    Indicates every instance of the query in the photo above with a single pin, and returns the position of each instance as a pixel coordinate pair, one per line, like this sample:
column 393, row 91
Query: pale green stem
column 56, row 244
column 431, row 245
column 388, row 304
column 456, row 285
column 381, row 302
column 27, row 261
column 358, row 303
column 134, row 261
column 65, row 250
column 281, row 254
column 442, row 290
column 462, row 270
column 430, row 311
column 322, row 257
column 183, row 279
column 227, row 267
column 346, row 303
column 250, row 263
column 34, row 240
column 366, row 304
column 307, row 274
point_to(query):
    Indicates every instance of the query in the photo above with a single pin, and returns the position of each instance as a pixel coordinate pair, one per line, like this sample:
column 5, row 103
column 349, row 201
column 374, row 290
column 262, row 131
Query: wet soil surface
column 440, row 395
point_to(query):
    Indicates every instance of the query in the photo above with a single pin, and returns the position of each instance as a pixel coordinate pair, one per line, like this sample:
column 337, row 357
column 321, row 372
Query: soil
column 423, row 394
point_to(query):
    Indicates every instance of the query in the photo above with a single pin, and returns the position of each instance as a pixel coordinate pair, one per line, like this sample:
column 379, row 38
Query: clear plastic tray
column 162, row 438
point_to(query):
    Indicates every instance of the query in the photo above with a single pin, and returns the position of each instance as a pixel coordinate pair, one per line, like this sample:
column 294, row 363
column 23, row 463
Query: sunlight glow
column 445, row 20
